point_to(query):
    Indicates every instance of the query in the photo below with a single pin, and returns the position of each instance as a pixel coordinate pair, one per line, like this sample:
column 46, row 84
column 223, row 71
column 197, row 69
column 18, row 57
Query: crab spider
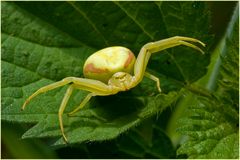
column 112, row 70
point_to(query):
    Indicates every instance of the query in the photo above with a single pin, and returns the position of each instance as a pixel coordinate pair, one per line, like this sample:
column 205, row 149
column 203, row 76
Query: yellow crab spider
column 111, row 70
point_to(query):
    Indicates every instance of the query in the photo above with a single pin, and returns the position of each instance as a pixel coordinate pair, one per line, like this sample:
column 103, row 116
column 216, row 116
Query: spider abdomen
column 102, row 64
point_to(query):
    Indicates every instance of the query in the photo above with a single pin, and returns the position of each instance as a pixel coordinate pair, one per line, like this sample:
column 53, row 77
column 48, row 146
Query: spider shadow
column 108, row 110
column 119, row 105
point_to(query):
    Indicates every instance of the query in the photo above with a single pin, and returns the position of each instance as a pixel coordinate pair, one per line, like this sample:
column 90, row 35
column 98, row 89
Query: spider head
column 121, row 80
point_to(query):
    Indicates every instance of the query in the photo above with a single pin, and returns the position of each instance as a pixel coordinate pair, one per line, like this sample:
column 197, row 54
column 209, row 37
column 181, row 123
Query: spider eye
column 121, row 80
column 120, row 76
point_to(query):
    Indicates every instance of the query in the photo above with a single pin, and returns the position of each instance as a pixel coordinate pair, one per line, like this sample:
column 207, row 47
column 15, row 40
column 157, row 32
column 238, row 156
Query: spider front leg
column 83, row 83
column 152, row 47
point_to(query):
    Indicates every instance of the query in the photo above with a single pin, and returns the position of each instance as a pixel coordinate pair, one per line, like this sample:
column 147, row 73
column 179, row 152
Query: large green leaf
column 43, row 42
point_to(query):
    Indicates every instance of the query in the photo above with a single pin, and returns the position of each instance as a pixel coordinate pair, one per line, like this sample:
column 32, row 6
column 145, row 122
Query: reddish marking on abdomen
column 129, row 60
column 91, row 68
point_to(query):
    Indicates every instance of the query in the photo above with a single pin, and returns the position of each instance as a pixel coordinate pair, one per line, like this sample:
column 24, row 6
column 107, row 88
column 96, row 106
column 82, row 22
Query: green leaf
column 177, row 63
column 212, row 126
column 229, row 73
column 41, row 46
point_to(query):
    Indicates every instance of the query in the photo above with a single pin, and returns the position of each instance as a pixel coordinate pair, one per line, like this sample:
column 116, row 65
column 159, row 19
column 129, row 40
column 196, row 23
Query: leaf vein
column 89, row 21
column 134, row 20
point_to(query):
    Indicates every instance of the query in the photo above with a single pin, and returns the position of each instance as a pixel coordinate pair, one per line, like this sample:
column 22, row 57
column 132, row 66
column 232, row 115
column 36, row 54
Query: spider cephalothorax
column 121, row 80
column 112, row 70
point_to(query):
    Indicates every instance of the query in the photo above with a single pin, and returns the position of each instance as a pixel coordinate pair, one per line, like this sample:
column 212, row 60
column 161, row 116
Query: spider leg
column 154, row 78
column 64, row 104
column 62, row 108
column 152, row 47
column 83, row 103
column 83, row 83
